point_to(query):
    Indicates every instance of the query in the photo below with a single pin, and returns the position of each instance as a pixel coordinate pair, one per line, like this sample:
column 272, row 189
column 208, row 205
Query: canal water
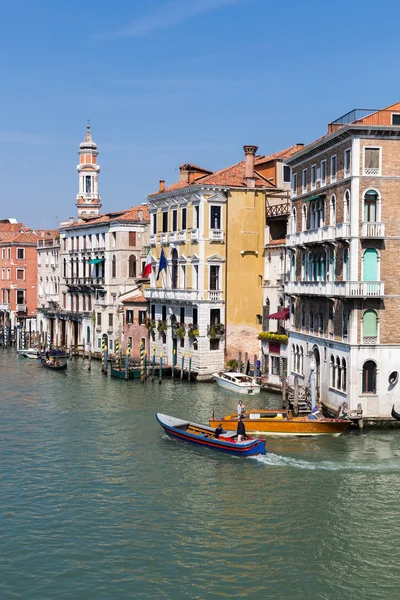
column 95, row 502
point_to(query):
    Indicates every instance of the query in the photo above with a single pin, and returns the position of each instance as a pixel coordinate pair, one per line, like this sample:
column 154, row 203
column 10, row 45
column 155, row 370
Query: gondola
column 395, row 414
column 55, row 359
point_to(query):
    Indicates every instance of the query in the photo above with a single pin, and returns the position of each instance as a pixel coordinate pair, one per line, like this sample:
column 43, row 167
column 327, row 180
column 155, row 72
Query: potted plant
column 150, row 325
column 193, row 332
column 162, row 327
column 180, row 331
column 269, row 336
column 215, row 330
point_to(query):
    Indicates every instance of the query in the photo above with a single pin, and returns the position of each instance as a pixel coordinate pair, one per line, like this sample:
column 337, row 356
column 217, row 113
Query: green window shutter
column 370, row 324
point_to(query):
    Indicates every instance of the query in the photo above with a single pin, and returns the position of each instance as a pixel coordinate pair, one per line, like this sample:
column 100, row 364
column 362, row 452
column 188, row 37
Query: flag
column 148, row 267
column 162, row 264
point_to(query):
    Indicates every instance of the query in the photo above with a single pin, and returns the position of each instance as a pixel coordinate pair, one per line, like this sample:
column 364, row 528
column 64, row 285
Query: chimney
column 70, row 220
column 250, row 152
column 191, row 176
column 162, row 185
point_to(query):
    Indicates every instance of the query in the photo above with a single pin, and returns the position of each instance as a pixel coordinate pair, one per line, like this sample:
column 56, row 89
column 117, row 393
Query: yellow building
column 207, row 304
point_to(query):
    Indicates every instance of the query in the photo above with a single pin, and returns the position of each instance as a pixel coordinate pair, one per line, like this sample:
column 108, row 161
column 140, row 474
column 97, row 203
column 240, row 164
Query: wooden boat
column 201, row 435
column 282, row 422
column 120, row 373
column 29, row 353
column 395, row 414
column 55, row 360
column 237, row 382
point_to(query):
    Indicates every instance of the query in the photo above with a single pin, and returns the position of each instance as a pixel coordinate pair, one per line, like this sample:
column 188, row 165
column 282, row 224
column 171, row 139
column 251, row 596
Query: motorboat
column 28, row 353
column 237, row 382
column 201, row 435
column 283, row 422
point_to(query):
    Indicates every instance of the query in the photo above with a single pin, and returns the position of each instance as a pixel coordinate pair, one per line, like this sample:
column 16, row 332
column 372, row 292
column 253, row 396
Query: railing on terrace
column 366, row 116
column 278, row 211
column 357, row 289
column 374, row 229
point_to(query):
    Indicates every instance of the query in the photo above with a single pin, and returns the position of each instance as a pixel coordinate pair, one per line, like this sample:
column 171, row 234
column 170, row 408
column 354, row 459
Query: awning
column 95, row 261
column 320, row 196
column 282, row 314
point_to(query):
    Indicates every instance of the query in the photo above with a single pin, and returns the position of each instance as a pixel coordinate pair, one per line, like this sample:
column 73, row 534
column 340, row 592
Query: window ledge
column 337, row 391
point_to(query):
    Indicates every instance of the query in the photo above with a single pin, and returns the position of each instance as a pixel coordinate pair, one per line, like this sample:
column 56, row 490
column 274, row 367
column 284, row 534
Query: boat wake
column 276, row 460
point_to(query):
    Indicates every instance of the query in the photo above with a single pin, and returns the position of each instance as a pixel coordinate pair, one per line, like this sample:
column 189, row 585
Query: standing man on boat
column 241, row 430
column 240, row 409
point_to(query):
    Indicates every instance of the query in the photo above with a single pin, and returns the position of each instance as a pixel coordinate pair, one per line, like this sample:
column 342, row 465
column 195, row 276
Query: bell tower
column 88, row 197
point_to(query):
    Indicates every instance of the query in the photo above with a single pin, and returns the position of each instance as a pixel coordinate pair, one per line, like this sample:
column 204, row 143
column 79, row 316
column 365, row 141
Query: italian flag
column 148, row 268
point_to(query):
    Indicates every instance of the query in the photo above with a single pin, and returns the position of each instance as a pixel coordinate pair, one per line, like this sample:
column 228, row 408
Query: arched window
column 332, row 370
column 65, row 267
column 346, row 272
column 370, row 327
column 132, row 266
column 311, row 324
column 369, row 377
column 332, row 213
column 312, row 216
column 344, row 375
column 83, row 267
column 293, row 357
column 301, row 360
column 297, row 359
column 304, row 218
column 88, row 334
column 370, row 206
column 114, row 267
column 293, row 224
column 346, row 207
column 370, row 265
column 321, row 320
column 293, row 267
column 174, row 269
column 338, row 374
column 303, row 318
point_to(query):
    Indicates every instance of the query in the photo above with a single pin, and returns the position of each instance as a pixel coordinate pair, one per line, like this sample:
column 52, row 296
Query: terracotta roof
column 277, row 242
column 132, row 214
column 19, row 238
column 279, row 155
column 191, row 166
column 135, row 299
column 230, row 177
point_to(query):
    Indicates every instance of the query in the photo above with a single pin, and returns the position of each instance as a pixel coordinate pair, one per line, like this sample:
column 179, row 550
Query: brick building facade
column 343, row 245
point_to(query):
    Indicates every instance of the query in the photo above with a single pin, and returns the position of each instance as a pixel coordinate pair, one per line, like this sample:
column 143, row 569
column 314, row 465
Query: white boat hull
column 28, row 353
column 250, row 389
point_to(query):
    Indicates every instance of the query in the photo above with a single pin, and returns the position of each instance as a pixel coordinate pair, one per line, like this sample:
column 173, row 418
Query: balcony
column 5, row 306
column 164, row 238
column 348, row 289
column 370, row 339
column 215, row 295
column 328, row 233
column 21, row 308
column 153, row 239
column 372, row 230
column 182, row 237
column 194, row 235
column 372, row 171
column 170, row 294
column 173, row 236
column 216, row 235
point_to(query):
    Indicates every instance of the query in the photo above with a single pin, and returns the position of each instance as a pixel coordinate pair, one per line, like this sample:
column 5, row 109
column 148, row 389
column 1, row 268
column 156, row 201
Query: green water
column 95, row 502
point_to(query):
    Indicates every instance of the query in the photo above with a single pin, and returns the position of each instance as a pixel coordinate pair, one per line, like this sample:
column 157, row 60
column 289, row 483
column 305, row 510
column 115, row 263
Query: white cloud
column 168, row 14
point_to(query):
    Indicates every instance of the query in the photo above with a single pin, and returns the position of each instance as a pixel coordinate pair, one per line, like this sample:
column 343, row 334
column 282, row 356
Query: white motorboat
column 28, row 352
column 237, row 382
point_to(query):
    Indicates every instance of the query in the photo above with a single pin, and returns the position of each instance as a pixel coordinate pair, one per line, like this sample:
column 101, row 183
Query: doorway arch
column 317, row 358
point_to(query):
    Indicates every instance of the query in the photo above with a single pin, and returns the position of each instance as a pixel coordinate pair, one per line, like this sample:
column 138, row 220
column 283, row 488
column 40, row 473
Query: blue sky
column 170, row 81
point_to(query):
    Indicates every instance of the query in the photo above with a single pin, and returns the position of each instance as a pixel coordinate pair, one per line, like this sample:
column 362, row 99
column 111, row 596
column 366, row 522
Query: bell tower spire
column 88, row 198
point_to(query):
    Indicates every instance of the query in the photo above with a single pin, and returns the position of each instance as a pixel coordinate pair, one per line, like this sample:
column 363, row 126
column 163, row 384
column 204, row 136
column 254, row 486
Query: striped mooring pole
column 48, row 339
column 160, row 372
column 105, row 359
column 128, row 353
column 103, row 346
column 153, row 366
column 183, row 364
column 173, row 363
column 117, row 354
column 142, row 362
column 5, row 336
column 190, row 367
column 23, row 337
